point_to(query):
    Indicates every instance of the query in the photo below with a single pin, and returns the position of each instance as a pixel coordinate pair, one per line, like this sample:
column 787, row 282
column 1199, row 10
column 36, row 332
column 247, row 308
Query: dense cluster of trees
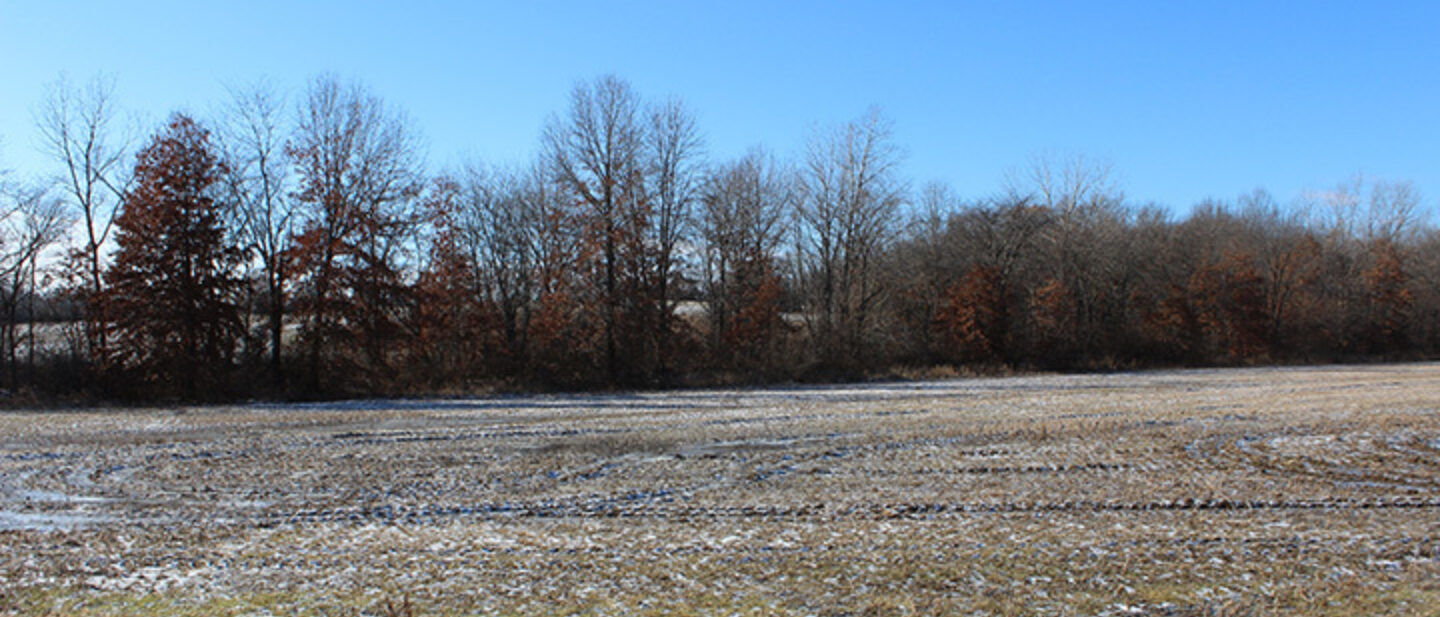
column 303, row 250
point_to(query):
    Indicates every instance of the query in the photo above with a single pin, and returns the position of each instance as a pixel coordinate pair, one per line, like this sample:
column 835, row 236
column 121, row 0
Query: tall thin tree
column 77, row 130
column 595, row 153
column 259, row 181
column 358, row 164
column 851, row 192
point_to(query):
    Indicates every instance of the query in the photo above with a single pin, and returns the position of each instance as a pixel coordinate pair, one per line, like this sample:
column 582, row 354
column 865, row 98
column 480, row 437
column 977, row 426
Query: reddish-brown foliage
column 170, row 294
column 1390, row 300
column 1172, row 323
column 566, row 342
column 1220, row 313
column 359, row 175
column 1229, row 303
column 969, row 325
column 1287, row 274
column 458, row 336
column 753, row 328
column 1052, row 323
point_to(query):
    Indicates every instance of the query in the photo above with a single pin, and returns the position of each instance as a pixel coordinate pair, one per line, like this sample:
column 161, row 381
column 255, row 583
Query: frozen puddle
column 57, row 497
column 11, row 520
column 46, row 521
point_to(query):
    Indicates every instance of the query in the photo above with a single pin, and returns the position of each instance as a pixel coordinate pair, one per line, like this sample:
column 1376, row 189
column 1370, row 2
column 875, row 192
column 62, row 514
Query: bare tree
column 674, row 160
column 1085, row 290
column 923, row 264
column 596, row 154
column 499, row 228
column 76, row 127
column 744, row 204
column 565, row 331
column 252, row 134
column 32, row 221
column 996, row 242
column 1285, row 254
column 1426, row 269
column 555, row 241
column 927, row 225
column 1334, row 213
column 1343, row 213
column 504, row 251
column 850, row 193
column 1365, row 242
column 1394, row 213
column 358, row 166
column 1070, row 184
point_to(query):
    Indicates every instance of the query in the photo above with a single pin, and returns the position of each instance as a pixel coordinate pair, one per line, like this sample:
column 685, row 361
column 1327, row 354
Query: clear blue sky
column 1187, row 99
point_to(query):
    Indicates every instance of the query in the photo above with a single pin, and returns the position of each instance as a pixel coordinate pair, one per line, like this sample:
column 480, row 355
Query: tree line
column 298, row 249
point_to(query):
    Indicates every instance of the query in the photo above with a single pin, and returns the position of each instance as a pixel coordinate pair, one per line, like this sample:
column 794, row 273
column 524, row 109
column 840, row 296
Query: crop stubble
column 1254, row 491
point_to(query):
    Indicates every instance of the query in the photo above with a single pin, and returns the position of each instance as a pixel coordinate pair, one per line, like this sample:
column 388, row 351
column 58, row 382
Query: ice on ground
column 46, row 521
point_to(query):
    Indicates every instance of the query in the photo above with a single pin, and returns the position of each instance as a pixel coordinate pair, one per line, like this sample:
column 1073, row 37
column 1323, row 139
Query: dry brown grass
column 1298, row 491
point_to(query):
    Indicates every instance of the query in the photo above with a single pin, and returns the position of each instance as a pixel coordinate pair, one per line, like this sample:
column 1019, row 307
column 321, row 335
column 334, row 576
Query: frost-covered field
column 1291, row 491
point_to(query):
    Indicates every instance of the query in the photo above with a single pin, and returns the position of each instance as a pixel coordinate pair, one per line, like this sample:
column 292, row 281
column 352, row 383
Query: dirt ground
column 1305, row 491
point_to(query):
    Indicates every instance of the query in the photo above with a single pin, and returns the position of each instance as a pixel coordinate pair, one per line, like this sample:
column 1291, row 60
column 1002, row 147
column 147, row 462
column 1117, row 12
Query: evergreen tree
column 171, row 291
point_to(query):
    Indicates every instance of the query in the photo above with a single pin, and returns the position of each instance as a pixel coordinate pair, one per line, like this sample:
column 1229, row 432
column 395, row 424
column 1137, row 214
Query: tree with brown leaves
column 358, row 166
column 171, row 292
column 631, row 183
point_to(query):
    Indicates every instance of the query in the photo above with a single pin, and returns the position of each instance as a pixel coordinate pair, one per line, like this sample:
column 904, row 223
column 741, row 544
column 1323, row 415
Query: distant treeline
column 299, row 249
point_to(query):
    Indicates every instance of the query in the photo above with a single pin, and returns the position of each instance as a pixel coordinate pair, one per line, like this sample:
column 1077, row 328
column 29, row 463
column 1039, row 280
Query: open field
column 1305, row 491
